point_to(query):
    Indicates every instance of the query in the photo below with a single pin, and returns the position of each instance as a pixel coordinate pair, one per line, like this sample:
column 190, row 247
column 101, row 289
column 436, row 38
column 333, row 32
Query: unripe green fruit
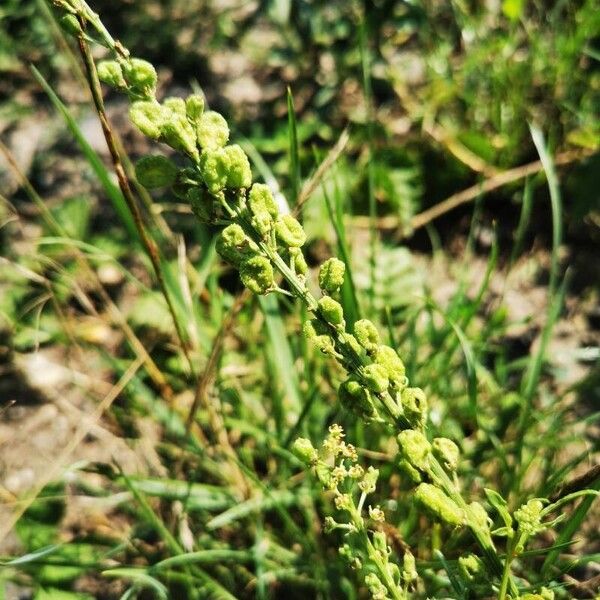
column 305, row 451
column 290, row 232
column 148, row 117
column 388, row 358
column 202, row 203
column 447, row 452
column 155, row 171
column 212, row 130
column 175, row 104
column 376, row 378
column 331, row 275
column 232, row 243
column 214, row 166
column 256, row 274
column 331, row 310
column 140, row 74
column 414, row 404
column 179, row 134
column 298, row 261
column 356, row 398
column 415, row 448
column 239, row 174
column 438, row 505
column 110, row 72
column 367, row 335
column 261, row 199
column 194, row 107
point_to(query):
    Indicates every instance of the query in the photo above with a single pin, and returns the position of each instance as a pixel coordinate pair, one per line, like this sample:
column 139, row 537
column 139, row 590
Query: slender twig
column 147, row 241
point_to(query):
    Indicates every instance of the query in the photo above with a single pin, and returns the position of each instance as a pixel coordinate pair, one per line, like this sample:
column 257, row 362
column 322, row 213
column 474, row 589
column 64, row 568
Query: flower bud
column 305, row 451
column 179, row 134
column 261, row 199
column 148, row 117
column 110, row 72
column 367, row 335
column 214, row 166
column 376, row 378
column 415, row 448
column 414, row 405
column 447, row 452
column 380, row 543
column 290, row 232
column 232, row 243
column 212, row 130
column 140, row 74
column 194, row 107
column 529, row 516
column 239, row 175
column 256, row 274
column 369, row 481
column 331, row 310
column 331, row 275
column 388, row 358
column 438, row 505
column 155, row 171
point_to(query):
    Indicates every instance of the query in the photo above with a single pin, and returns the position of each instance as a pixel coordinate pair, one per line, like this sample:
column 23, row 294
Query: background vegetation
column 461, row 145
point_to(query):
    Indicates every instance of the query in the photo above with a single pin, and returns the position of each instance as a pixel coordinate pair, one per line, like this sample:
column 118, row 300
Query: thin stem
column 148, row 243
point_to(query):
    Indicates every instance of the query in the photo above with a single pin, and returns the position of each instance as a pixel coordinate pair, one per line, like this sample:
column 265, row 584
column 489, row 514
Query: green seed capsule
column 290, row 232
column 409, row 568
column 179, row 134
column 367, row 335
column 415, row 448
column 232, row 244
column 305, row 451
column 256, row 274
column 71, row 25
column 414, row 404
column 298, row 260
column 110, row 72
column 470, row 567
column 194, row 107
column 413, row 475
column 376, row 378
column 447, row 452
column 331, row 310
column 214, row 166
column 140, row 74
column 240, row 174
column 202, row 204
column 212, row 130
column 175, row 104
column 331, row 275
column 438, row 505
column 388, row 358
column 148, row 117
column 260, row 199
column 356, row 398
column 155, row 171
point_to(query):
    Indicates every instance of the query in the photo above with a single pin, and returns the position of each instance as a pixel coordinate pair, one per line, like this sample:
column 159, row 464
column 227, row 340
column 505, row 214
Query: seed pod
column 140, row 74
column 179, row 134
column 214, row 166
column 367, row 335
column 376, row 378
column 240, row 174
column 232, row 243
column 290, row 232
column 414, row 404
column 175, row 104
column 356, row 398
column 413, row 475
column 71, row 25
column 110, row 72
column 148, row 117
column 194, row 107
column 415, row 448
column 298, row 261
column 331, row 310
column 261, row 199
column 409, row 568
column 256, row 274
column 388, row 358
column 447, row 452
column 380, row 543
column 305, row 451
column 155, row 171
column 331, row 275
column 470, row 567
column 212, row 130
column 202, row 204
column 438, row 505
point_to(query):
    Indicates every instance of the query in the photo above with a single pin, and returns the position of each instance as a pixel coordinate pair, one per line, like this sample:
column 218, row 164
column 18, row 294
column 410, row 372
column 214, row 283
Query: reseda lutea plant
column 264, row 244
